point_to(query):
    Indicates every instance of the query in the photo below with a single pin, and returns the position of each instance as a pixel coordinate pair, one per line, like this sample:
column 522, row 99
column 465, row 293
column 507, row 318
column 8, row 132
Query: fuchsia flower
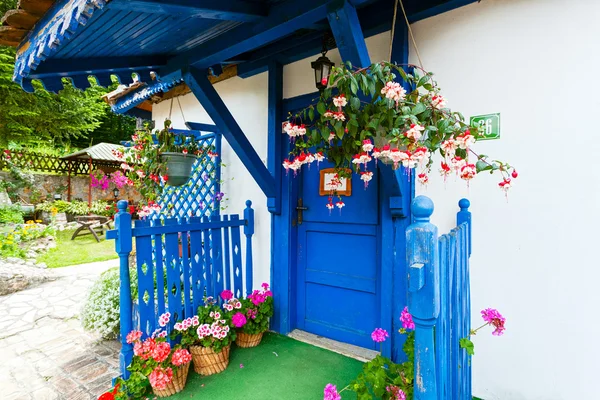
column 494, row 318
column 423, row 178
column 406, row 319
column 238, row 320
column 340, row 101
column 160, row 377
column 226, row 294
column 331, row 393
column 379, row 335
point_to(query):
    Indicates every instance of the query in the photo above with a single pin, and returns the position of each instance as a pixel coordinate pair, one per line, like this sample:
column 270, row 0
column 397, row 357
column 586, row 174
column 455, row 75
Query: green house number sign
column 489, row 124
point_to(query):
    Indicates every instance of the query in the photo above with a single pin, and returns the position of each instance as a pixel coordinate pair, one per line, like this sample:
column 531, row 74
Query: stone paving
column 44, row 352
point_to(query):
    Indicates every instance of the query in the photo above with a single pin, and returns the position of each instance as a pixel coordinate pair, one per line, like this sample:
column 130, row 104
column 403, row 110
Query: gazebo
column 99, row 156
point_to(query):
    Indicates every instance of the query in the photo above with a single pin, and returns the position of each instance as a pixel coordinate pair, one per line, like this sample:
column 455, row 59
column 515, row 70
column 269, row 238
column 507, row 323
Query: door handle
column 300, row 209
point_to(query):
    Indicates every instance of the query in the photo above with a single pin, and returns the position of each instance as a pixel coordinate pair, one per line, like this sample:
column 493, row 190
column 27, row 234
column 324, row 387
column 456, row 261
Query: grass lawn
column 279, row 368
column 84, row 249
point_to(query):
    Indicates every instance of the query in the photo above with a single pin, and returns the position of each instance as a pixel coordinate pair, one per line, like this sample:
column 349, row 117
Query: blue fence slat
column 442, row 329
column 248, row 232
column 145, row 271
column 160, row 269
column 173, row 267
column 196, row 264
column 207, row 261
column 185, row 266
column 236, row 256
column 454, row 298
column 217, row 257
column 227, row 254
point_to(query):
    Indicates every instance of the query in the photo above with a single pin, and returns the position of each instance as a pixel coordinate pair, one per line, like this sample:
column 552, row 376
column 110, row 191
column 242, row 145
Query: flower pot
column 207, row 362
column 177, row 384
column 247, row 340
column 179, row 167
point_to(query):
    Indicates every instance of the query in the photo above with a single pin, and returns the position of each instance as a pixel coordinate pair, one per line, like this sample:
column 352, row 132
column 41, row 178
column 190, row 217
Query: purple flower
column 331, row 393
column 379, row 335
column 406, row 319
column 493, row 317
column 218, row 196
column 238, row 320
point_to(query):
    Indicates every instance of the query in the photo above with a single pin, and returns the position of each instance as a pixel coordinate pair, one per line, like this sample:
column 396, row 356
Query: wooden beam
column 274, row 157
column 283, row 19
column 35, row 7
column 349, row 36
column 217, row 110
column 230, row 10
column 182, row 89
column 20, row 19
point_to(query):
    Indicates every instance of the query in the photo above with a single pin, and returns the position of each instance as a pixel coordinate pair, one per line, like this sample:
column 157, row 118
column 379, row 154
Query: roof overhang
column 76, row 39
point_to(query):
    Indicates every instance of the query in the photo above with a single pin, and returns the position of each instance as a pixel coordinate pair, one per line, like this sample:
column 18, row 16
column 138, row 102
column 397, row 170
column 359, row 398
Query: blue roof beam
column 208, row 9
column 197, row 81
column 283, row 19
column 349, row 35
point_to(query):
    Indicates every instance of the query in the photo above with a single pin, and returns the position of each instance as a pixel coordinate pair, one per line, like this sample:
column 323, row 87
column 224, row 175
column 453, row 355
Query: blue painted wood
column 207, row 267
column 348, row 35
column 217, row 257
column 158, row 246
column 145, row 271
column 236, row 257
column 217, row 110
column 122, row 234
column 130, row 100
column 227, row 255
column 248, row 232
column 274, row 156
column 196, row 258
column 226, row 10
column 197, row 126
column 423, row 302
column 173, row 267
column 185, row 267
column 439, row 8
column 464, row 216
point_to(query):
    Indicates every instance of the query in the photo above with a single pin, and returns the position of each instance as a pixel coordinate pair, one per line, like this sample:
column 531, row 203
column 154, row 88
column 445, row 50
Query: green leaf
column 419, row 108
column 353, row 85
column 355, row 103
column 321, row 109
column 311, row 113
column 466, row 344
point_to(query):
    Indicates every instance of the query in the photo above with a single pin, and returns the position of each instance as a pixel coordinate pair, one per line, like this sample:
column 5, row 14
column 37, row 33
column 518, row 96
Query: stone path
column 44, row 352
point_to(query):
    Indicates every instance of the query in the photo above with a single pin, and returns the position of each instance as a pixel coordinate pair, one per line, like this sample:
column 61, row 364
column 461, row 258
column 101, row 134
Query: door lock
column 300, row 208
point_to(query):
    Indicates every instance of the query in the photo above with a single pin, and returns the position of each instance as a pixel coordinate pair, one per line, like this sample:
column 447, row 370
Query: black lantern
column 116, row 193
column 322, row 67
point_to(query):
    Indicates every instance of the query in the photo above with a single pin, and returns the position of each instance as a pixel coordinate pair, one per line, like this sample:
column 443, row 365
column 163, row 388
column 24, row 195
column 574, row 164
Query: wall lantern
column 57, row 197
column 322, row 67
column 116, row 193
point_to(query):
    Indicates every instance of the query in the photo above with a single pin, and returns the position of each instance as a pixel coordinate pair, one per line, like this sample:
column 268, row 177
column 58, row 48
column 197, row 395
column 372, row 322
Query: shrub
column 47, row 206
column 11, row 214
column 78, row 207
column 100, row 312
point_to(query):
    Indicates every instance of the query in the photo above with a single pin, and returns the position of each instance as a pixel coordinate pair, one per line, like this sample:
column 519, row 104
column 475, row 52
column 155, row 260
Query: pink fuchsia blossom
column 406, row 319
column 181, row 357
column 133, row 336
column 396, row 392
column 366, row 177
column 468, row 172
column 423, row 178
column 160, row 377
column 340, row 101
column 505, row 184
column 379, row 335
column 465, row 140
column 367, row 145
column 331, row 393
column 238, row 320
column 415, row 132
column 393, row 91
column 495, row 319
column 226, row 294
column 438, row 101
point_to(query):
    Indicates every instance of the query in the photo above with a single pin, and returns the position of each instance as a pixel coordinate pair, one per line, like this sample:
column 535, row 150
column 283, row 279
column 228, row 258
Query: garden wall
column 530, row 61
column 52, row 184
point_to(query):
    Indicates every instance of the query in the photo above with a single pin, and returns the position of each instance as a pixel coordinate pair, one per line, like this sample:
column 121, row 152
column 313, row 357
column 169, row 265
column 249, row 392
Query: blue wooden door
column 337, row 265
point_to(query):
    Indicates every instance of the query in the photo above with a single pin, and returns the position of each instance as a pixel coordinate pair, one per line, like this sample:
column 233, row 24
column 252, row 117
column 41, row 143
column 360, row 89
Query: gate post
column 123, row 247
column 423, row 294
column 464, row 215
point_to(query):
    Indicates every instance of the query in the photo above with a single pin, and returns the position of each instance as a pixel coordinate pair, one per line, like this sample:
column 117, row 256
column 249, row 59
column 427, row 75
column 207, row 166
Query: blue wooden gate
column 439, row 300
column 179, row 262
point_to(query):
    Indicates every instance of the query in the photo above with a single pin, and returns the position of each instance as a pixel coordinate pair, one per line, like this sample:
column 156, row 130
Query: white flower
column 415, row 131
column 465, row 140
column 340, row 101
column 449, row 147
column 467, row 172
column 367, row 145
column 339, row 116
column 438, row 101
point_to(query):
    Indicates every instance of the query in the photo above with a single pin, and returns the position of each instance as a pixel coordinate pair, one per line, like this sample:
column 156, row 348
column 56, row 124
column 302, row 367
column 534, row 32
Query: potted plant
column 208, row 335
column 165, row 367
column 251, row 320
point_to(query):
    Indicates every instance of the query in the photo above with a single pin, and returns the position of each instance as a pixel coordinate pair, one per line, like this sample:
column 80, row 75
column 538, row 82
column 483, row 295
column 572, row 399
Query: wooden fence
column 45, row 163
column 439, row 300
column 198, row 257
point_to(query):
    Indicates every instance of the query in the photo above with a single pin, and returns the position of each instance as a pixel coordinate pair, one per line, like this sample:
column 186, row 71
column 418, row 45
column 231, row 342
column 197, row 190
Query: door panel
column 338, row 267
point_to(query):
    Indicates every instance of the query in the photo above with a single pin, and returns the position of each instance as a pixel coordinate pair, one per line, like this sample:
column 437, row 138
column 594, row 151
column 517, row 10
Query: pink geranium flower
column 331, row 393
column 181, row 357
column 161, row 351
column 133, row 336
column 226, row 294
column 379, row 335
column 494, row 318
column 238, row 320
column 160, row 377
column 406, row 319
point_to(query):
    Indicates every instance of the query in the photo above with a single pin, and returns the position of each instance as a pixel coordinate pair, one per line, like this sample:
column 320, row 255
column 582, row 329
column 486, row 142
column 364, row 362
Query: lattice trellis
column 200, row 195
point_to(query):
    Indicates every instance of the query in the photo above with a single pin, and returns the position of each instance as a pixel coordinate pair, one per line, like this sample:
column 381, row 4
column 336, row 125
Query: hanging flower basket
column 179, row 167
column 207, row 362
column 177, row 384
column 246, row 340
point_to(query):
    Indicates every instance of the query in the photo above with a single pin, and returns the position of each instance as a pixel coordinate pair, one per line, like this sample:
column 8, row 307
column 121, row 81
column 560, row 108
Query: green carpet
column 279, row 368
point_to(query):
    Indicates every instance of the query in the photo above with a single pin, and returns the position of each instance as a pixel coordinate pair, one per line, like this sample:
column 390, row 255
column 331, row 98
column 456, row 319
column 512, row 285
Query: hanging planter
column 178, row 167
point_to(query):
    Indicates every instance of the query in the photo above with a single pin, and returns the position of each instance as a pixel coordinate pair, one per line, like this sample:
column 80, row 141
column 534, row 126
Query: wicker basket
column 179, row 378
column 246, row 340
column 207, row 362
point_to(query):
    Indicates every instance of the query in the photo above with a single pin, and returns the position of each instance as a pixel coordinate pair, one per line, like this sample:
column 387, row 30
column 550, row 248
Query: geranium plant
column 491, row 317
column 256, row 309
column 365, row 116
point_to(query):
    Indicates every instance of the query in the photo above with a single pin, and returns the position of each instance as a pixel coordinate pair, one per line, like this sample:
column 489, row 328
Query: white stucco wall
column 533, row 257
column 532, row 61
